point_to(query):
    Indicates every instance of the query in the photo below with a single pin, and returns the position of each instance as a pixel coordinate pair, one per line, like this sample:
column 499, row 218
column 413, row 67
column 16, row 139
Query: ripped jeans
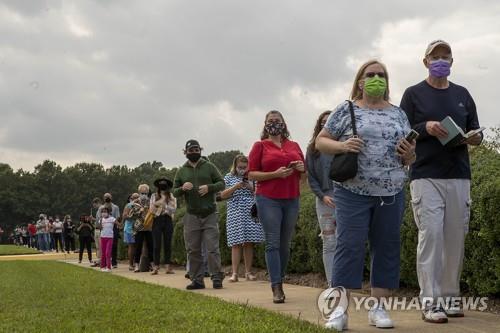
column 327, row 224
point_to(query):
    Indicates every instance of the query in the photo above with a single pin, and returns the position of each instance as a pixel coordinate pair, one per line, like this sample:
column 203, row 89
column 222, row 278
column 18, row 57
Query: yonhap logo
column 331, row 299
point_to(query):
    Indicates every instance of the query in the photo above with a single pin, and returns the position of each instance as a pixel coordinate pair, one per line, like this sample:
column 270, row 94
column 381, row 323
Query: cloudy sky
column 122, row 82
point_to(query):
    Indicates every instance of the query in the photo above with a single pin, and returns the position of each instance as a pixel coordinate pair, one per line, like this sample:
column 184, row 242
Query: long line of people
column 263, row 191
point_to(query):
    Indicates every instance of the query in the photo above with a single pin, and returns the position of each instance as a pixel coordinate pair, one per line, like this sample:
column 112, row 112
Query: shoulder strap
column 353, row 119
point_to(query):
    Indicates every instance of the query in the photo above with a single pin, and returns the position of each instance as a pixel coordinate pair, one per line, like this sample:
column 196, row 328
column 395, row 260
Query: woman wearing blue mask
column 370, row 205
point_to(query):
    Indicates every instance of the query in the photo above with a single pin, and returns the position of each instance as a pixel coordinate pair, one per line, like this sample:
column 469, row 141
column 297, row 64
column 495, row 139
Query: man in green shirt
column 198, row 181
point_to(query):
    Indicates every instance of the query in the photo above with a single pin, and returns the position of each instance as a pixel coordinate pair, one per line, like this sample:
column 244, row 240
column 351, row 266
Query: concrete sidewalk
column 301, row 303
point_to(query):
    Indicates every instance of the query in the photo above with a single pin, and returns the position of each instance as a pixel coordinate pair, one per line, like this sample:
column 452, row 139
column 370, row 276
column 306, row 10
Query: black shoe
column 195, row 285
column 217, row 280
column 115, row 266
column 278, row 296
column 217, row 284
column 187, row 276
column 207, row 274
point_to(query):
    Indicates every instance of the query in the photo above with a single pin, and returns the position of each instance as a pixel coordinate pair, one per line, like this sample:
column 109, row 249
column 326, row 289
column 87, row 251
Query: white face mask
column 241, row 172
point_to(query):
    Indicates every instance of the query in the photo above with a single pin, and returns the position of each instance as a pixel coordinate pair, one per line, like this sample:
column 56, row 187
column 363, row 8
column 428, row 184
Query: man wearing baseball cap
column 198, row 181
column 440, row 182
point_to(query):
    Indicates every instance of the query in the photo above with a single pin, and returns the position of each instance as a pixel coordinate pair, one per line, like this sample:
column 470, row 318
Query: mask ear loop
column 382, row 202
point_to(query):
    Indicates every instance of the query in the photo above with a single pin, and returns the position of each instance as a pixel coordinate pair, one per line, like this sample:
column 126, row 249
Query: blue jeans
column 42, row 244
column 373, row 218
column 278, row 218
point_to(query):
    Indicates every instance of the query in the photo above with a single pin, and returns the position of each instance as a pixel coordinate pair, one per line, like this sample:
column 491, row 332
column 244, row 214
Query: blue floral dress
column 241, row 227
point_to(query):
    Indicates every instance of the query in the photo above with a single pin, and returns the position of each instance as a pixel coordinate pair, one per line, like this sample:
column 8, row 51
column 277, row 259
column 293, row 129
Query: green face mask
column 375, row 86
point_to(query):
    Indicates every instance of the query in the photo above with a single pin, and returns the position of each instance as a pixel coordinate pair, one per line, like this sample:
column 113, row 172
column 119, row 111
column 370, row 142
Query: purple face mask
column 439, row 68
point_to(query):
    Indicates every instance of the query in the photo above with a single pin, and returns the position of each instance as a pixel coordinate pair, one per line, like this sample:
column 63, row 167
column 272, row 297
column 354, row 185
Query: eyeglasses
column 372, row 74
column 143, row 193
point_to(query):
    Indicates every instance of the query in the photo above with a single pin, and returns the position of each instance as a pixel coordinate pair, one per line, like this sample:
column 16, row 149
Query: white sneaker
column 454, row 310
column 103, row 269
column 378, row 317
column 338, row 319
column 435, row 315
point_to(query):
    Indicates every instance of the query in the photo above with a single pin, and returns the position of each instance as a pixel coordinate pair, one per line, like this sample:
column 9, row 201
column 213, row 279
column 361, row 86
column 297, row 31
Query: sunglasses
column 372, row 74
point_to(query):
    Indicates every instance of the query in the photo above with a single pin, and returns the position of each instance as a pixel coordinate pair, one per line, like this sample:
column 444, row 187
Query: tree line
column 54, row 190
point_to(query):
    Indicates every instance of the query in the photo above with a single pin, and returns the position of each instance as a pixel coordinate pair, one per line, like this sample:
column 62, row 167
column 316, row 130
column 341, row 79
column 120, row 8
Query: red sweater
column 265, row 156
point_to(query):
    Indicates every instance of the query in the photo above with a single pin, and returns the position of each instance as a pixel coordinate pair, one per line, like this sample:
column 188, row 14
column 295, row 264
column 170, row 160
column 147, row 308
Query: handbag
column 344, row 166
column 148, row 220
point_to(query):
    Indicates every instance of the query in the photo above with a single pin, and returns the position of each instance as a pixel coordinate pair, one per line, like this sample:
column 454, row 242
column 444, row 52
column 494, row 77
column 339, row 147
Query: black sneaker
column 217, row 284
column 195, row 285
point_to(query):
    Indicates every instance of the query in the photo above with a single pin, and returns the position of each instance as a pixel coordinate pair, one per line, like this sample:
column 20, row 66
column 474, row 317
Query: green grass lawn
column 47, row 296
column 7, row 250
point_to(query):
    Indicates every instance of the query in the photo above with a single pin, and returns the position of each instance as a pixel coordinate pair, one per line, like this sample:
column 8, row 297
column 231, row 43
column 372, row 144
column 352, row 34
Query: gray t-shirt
column 380, row 170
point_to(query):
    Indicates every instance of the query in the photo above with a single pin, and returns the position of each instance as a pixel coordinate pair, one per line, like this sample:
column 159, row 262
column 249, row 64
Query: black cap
column 163, row 181
column 192, row 144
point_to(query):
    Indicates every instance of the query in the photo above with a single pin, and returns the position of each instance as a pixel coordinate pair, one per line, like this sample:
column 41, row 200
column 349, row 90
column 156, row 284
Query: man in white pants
column 440, row 182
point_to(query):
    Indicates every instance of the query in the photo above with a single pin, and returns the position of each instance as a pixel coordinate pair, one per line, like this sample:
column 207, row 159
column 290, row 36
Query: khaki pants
column 196, row 231
column 441, row 208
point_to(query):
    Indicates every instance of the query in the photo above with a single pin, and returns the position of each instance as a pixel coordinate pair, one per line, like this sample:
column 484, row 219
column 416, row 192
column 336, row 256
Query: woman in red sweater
column 276, row 163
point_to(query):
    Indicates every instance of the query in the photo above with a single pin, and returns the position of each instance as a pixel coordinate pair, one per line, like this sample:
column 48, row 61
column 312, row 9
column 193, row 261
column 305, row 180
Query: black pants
column 162, row 226
column 140, row 237
column 58, row 240
column 85, row 241
column 114, row 249
column 69, row 243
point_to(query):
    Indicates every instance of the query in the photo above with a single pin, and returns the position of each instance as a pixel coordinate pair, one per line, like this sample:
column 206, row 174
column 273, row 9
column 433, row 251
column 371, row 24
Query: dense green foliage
column 55, row 191
column 101, row 302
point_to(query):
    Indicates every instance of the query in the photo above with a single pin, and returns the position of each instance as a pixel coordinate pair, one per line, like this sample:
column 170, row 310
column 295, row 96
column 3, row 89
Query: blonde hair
column 134, row 196
column 356, row 92
column 237, row 159
column 143, row 186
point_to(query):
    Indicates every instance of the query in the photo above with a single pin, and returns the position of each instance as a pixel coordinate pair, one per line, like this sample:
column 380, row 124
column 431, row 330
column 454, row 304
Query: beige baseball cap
column 438, row 42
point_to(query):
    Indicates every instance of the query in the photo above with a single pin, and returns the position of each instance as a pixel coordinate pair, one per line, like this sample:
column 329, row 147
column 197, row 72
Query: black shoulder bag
column 345, row 165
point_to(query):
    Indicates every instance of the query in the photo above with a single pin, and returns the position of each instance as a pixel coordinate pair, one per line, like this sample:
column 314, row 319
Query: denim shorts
column 128, row 238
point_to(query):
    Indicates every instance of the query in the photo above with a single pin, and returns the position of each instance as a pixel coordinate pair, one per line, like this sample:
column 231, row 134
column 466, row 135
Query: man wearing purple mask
column 440, row 182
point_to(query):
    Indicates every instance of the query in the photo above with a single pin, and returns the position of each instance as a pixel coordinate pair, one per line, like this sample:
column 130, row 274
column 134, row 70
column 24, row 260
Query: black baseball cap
column 192, row 144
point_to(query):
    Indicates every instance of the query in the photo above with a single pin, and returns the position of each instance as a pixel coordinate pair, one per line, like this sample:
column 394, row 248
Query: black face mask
column 193, row 157
column 107, row 199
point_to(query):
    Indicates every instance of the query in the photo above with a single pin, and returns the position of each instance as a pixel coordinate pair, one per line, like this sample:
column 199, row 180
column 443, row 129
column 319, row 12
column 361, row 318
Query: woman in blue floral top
column 369, row 206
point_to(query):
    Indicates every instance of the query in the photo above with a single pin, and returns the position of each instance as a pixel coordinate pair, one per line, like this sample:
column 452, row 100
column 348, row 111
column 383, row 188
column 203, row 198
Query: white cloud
column 122, row 82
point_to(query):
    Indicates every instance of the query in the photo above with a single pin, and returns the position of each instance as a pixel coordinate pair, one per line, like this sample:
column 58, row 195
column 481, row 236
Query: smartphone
column 292, row 165
column 413, row 135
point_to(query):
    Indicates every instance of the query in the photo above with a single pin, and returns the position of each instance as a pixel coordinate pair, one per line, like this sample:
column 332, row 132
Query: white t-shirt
column 107, row 227
column 58, row 227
